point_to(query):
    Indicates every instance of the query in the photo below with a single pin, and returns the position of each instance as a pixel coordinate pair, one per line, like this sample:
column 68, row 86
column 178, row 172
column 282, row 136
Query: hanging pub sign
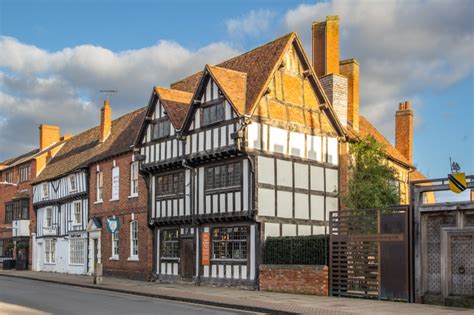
column 205, row 249
column 113, row 224
column 457, row 182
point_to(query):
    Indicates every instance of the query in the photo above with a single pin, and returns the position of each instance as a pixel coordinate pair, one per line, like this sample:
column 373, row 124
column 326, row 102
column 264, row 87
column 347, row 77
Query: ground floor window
column 229, row 242
column 6, row 248
column 115, row 244
column 134, row 238
column 50, row 251
column 76, row 251
column 170, row 244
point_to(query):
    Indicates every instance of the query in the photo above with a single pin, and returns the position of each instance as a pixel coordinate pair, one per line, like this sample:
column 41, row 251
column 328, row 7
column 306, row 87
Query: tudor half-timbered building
column 233, row 154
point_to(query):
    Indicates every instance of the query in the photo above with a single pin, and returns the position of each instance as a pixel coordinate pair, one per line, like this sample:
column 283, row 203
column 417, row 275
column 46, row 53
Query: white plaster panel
column 266, row 170
column 317, row 178
column 317, row 207
column 272, row 229
column 278, row 140
column 304, row 230
column 331, row 180
column 288, row 230
column 301, row 175
column 266, row 202
column 297, row 144
column 314, row 147
column 301, row 206
column 285, row 204
column 284, row 173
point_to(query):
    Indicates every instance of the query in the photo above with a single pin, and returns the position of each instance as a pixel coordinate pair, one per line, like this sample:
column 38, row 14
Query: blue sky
column 56, row 55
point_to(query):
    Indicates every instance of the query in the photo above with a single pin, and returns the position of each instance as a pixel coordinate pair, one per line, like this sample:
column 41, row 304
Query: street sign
column 457, row 182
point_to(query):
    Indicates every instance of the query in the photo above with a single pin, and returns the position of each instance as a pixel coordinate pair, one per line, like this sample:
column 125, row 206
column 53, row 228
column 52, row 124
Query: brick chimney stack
column 105, row 121
column 326, row 46
column 350, row 69
column 48, row 135
column 404, row 130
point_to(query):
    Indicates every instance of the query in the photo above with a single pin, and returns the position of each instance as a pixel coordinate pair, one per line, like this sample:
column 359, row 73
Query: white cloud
column 403, row 47
column 254, row 23
column 62, row 87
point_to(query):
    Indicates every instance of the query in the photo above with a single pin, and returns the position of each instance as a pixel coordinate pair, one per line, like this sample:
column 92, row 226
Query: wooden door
column 187, row 259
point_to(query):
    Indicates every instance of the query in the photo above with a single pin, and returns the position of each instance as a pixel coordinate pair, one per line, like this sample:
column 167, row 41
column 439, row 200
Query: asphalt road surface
column 22, row 296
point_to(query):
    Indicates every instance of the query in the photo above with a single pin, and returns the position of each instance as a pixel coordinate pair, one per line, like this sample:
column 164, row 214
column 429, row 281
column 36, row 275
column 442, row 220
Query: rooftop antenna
column 108, row 93
column 454, row 166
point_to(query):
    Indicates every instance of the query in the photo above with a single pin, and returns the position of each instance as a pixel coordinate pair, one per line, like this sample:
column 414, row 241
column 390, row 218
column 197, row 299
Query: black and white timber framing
column 287, row 184
column 55, row 202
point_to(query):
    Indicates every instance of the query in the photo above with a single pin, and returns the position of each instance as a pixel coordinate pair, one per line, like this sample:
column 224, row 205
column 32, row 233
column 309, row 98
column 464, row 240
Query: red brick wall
column 294, row 279
column 123, row 208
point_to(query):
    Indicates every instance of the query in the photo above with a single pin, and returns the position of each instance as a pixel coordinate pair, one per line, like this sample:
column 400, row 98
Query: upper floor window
column 24, row 173
column 77, row 214
column 17, row 210
column 134, row 179
column 45, row 188
column 170, row 184
column 161, row 128
column 99, row 185
column 115, row 183
column 9, row 177
column 48, row 218
column 223, row 176
column 72, row 183
column 213, row 113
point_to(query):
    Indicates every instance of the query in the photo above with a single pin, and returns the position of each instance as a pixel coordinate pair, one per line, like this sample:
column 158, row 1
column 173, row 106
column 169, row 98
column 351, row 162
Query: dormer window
column 213, row 113
column 72, row 183
column 161, row 128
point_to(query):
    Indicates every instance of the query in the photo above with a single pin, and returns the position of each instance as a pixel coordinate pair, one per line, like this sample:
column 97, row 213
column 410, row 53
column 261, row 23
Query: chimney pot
column 407, row 104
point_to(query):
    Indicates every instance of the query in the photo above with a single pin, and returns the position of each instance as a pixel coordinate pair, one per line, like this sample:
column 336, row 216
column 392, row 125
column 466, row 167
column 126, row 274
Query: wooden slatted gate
column 369, row 253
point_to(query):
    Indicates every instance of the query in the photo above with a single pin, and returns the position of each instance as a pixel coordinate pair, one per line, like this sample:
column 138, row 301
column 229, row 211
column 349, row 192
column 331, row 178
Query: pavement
column 233, row 298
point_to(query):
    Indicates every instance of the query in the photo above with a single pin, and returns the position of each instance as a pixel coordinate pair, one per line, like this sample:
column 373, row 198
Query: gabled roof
column 367, row 129
column 258, row 64
column 11, row 162
column 85, row 148
column 233, row 84
column 176, row 104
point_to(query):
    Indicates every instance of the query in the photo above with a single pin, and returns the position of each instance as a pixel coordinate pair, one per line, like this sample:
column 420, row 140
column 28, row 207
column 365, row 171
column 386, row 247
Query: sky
column 55, row 56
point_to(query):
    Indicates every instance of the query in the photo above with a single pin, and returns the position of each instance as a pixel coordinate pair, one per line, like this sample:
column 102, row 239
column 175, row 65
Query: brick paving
column 259, row 301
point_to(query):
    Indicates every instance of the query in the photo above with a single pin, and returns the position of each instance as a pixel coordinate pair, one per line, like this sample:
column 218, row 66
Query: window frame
column 9, row 176
column 233, row 183
column 115, row 250
column 99, row 186
column 134, row 179
column 74, row 250
column 77, row 204
column 24, row 173
column 45, row 223
column 169, row 245
column 50, row 251
column 175, row 185
column 45, row 190
column 244, row 230
column 208, row 107
column 72, row 179
column 156, row 132
column 117, row 197
column 134, row 239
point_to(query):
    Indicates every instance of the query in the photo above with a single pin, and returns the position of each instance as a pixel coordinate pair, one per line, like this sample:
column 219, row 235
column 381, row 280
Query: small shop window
column 76, row 252
column 169, row 244
column 229, row 243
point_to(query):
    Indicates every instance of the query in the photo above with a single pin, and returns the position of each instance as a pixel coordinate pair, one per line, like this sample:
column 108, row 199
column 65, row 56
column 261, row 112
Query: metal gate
column 369, row 253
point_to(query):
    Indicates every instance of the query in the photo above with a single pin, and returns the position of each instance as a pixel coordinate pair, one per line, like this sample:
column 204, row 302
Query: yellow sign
column 457, row 182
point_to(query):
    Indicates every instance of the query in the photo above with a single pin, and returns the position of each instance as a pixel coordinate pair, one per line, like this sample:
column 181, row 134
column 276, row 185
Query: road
column 22, row 296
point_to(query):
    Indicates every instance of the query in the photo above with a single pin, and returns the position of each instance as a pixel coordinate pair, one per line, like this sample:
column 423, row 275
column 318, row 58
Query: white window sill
column 98, row 201
column 114, row 258
column 115, row 199
column 132, row 196
column 49, row 263
column 133, row 258
column 76, row 264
